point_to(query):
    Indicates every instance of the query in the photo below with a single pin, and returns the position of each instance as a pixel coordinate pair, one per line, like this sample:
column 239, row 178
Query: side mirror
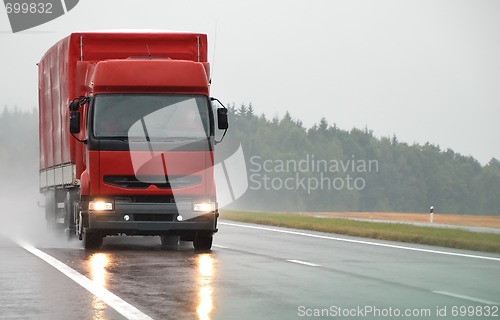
column 74, row 105
column 74, row 121
column 222, row 122
column 74, row 116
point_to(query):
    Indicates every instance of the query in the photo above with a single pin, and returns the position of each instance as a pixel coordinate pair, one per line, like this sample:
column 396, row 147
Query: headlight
column 204, row 206
column 101, row 205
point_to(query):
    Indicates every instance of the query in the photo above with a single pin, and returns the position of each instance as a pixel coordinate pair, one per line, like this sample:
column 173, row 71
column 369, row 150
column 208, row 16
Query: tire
column 91, row 240
column 79, row 225
column 203, row 242
column 69, row 220
column 169, row 241
column 50, row 211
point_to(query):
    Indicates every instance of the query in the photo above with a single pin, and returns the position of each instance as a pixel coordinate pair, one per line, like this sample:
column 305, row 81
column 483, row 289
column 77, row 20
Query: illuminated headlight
column 204, row 207
column 101, row 205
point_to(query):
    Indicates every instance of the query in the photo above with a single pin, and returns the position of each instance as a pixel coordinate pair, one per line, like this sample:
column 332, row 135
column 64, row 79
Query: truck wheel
column 50, row 211
column 69, row 218
column 91, row 240
column 169, row 241
column 203, row 242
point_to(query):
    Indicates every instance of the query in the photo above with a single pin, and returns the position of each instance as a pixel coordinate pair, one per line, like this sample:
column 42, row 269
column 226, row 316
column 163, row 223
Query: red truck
column 127, row 134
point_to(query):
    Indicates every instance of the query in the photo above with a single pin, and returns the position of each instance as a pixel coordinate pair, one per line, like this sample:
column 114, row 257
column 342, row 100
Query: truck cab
column 141, row 148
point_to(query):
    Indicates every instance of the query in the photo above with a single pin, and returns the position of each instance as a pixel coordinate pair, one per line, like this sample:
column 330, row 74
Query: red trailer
column 127, row 135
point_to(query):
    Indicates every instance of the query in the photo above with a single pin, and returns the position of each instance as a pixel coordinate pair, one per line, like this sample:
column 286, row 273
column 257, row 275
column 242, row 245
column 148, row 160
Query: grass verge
column 443, row 237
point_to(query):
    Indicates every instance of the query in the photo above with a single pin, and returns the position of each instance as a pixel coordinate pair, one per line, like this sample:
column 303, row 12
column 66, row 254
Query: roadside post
column 431, row 216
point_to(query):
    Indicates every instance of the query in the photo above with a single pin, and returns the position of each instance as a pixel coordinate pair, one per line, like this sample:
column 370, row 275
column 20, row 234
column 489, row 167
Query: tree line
column 19, row 157
column 321, row 168
column 352, row 170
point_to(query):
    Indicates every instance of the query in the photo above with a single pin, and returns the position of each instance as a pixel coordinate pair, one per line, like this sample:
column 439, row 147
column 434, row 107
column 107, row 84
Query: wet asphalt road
column 253, row 272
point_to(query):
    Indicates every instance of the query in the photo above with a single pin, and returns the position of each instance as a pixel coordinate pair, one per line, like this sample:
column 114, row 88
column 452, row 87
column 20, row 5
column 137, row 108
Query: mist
column 22, row 213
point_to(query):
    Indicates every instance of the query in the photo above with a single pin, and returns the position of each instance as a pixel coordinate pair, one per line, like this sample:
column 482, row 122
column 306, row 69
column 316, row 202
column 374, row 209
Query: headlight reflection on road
column 98, row 263
column 205, row 269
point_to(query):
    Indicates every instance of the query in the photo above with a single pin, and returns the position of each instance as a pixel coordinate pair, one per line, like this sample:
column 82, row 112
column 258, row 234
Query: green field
column 443, row 237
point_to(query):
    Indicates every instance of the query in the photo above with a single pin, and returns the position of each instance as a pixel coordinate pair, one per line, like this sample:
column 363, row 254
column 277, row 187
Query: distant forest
column 322, row 168
column 19, row 157
column 385, row 175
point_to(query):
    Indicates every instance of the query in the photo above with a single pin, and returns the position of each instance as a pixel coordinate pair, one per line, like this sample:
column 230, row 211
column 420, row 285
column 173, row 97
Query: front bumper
column 151, row 219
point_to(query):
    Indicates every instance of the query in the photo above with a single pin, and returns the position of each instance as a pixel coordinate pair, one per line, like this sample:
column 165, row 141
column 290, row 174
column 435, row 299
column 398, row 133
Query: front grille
column 154, row 217
column 143, row 217
column 151, row 199
column 144, row 182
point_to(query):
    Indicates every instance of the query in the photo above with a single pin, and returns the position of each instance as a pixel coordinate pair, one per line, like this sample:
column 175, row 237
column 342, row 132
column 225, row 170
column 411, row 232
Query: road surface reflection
column 163, row 283
column 97, row 263
column 205, row 269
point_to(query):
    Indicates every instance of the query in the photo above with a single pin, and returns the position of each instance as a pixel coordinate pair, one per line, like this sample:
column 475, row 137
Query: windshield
column 151, row 116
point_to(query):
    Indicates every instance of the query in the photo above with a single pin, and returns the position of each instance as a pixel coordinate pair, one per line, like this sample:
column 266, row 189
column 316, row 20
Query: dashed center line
column 220, row 247
column 461, row 296
column 305, row 263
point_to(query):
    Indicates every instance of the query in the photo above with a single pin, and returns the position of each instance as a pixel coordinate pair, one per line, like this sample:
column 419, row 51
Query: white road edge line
column 361, row 242
column 115, row 302
column 305, row 263
column 460, row 296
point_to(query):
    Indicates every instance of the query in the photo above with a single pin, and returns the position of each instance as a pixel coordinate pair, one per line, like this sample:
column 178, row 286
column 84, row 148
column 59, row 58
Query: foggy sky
column 423, row 70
